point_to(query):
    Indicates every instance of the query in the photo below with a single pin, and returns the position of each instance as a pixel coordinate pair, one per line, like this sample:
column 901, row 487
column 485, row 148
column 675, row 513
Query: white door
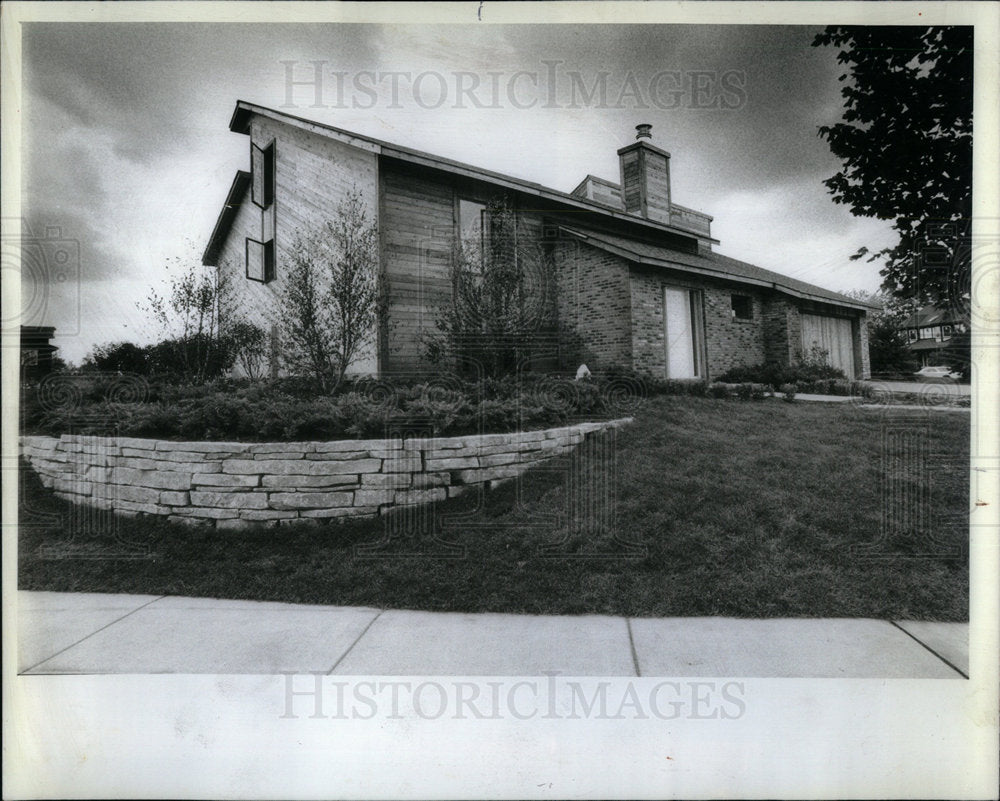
column 682, row 359
column 832, row 334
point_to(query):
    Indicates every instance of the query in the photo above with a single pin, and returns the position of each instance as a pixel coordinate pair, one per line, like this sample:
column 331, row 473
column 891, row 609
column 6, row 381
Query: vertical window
column 260, row 253
column 473, row 225
column 260, row 260
column 742, row 307
column 262, row 167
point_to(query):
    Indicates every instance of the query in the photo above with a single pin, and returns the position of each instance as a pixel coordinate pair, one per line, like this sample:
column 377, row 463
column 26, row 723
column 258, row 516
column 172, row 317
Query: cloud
column 128, row 149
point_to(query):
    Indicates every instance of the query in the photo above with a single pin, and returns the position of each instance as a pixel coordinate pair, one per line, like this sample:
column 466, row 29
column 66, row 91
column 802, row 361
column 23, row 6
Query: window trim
column 268, row 162
column 268, row 255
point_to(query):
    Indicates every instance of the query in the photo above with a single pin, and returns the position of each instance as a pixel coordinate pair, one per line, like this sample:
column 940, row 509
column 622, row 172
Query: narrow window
column 473, row 225
column 262, row 169
column 742, row 307
column 260, row 260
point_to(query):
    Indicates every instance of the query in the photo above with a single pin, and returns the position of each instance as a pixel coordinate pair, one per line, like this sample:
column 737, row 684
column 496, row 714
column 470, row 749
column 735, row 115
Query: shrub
column 248, row 343
column 788, row 392
column 719, row 390
column 118, row 357
column 774, row 375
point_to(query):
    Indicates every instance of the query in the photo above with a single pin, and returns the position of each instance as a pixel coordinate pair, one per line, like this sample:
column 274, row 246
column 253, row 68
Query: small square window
column 742, row 307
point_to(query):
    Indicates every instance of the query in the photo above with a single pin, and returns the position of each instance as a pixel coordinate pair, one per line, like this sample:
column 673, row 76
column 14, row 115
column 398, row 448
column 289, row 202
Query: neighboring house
column 930, row 333
column 36, row 351
column 634, row 281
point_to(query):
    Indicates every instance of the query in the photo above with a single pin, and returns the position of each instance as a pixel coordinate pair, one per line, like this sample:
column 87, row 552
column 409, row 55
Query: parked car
column 939, row 374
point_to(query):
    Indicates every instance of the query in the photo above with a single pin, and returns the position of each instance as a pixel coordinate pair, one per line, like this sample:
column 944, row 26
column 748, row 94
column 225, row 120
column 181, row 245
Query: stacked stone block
column 233, row 484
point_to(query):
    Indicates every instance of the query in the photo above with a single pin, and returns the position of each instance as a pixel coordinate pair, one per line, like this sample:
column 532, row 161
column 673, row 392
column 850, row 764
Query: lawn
column 708, row 507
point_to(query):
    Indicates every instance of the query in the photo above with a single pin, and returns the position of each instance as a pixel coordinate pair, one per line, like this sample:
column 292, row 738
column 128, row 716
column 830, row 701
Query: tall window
column 260, row 260
column 262, row 168
column 260, row 253
column 473, row 227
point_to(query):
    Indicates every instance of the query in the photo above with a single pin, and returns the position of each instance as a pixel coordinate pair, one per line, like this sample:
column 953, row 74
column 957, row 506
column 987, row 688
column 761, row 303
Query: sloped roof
column 930, row 315
column 244, row 111
column 234, row 199
column 711, row 264
column 722, row 266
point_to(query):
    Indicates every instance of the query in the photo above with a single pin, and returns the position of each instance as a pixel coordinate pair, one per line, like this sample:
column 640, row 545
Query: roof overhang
column 237, row 191
column 928, row 344
column 675, row 261
column 240, row 123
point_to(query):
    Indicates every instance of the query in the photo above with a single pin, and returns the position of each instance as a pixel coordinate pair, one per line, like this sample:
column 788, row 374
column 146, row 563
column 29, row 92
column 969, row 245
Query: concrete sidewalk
column 74, row 633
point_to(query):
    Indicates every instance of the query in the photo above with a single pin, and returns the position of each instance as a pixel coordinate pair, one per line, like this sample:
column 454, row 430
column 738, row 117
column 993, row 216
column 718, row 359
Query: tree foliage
column 906, row 146
column 333, row 297
column 193, row 316
column 888, row 351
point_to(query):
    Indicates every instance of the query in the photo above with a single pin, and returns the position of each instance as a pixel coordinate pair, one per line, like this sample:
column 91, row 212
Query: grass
column 721, row 507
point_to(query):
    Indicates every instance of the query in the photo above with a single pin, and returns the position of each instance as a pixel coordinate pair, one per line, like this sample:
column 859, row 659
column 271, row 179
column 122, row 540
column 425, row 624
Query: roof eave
column 238, row 188
column 720, row 273
column 240, row 123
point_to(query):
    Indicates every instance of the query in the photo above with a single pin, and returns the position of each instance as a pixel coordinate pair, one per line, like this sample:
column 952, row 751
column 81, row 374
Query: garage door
column 832, row 334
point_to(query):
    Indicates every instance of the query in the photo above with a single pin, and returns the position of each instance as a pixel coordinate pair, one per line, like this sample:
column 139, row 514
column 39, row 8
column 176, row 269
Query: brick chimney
column 645, row 173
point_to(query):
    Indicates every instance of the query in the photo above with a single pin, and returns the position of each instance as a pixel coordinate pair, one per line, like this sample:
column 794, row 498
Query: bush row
column 262, row 412
column 288, row 409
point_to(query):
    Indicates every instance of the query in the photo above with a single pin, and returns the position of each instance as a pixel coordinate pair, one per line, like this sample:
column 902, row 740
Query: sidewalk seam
column 925, row 645
column 357, row 639
column 95, row 631
column 631, row 645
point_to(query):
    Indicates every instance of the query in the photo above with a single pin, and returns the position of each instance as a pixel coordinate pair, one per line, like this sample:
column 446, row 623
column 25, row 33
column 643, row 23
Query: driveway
column 919, row 387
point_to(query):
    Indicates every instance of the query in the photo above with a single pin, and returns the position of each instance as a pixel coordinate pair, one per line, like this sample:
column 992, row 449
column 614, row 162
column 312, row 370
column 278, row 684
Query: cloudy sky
column 128, row 152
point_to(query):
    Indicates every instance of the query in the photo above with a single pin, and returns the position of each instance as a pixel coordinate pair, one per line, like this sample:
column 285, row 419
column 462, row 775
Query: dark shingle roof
column 713, row 264
column 931, row 315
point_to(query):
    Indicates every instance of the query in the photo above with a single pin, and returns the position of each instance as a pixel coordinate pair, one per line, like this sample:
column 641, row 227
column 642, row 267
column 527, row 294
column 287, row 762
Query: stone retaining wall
column 232, row 484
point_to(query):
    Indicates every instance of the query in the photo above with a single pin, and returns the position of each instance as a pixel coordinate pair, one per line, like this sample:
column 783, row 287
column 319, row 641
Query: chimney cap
column 643, row 131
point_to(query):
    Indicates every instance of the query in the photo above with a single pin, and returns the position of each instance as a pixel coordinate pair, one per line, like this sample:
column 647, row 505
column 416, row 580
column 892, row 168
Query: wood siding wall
column 419, row 229
column 417, row 235
column 312, row 175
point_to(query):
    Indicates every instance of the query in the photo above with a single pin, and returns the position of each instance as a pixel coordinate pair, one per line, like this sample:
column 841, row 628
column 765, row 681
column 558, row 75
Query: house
column 36, row 351
column 632, row 278
column 933, row 335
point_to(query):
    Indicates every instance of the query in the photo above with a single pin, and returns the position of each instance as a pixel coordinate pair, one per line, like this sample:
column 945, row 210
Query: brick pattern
column 233, row 484
column 593, row 305
column 862, row 360
column 727, row 342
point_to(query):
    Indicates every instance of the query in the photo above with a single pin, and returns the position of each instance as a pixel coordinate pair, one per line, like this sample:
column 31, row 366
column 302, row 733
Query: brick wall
column 728, row 342
column 593, row 304
column 861, row 356
column 233, row 484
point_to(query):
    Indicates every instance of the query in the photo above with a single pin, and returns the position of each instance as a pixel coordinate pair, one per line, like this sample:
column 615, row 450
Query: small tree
column 192, row 316
column 249, row 345
column 499, row 297
column 887, row 347
column 332, row 299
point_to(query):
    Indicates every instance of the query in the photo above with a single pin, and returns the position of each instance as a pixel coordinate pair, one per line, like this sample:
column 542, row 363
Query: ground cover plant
column 720, row 507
